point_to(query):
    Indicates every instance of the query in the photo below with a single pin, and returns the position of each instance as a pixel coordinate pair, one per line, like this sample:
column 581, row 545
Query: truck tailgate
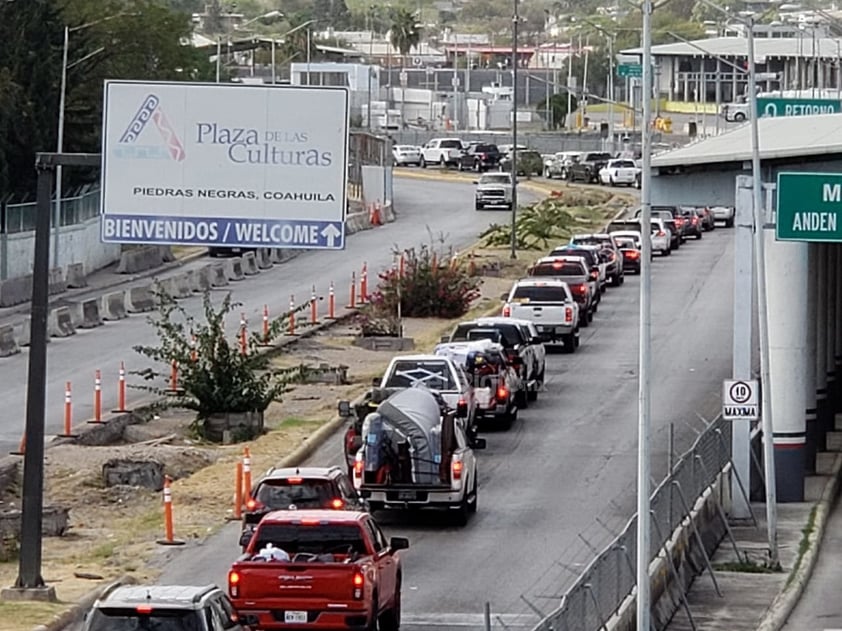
column 539, row 314
column 264, row 581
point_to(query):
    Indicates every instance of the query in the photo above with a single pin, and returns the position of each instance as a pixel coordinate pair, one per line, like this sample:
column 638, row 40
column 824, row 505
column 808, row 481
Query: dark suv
column 292, row 488
column 588, row 167
column 163, row 608
column 479, row 157
column 605, row 242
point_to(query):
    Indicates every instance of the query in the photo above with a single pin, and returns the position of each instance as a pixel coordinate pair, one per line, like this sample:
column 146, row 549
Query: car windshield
column 435, row 375
column 129, row 619
column 495, row 178
column 625, row 242
column 405, row 148
column 588, row 255
column 450, row 144
column 591, row 240
column 597, row 156
column 314, row 539
column 559, row 268
column 283, row 493
column 506, row 334
column 540, row 294
column 622, row 164
column 486, row 149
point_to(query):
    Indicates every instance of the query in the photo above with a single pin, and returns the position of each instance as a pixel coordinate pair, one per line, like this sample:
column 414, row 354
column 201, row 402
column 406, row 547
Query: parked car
column 629, row 245
column 604, row 240
column 295, row 488
column 479, row 157
column 588, row 167
column 618, row 172
column 165, row 607
column 444, row 152
column 496, row 382
column 493, row 189
column 405, row 155
column 549, row 304
column 352, row 573
column 528, row 163
column 692, row 222
column 559, row 165
column 574, row 272
column 521, row 343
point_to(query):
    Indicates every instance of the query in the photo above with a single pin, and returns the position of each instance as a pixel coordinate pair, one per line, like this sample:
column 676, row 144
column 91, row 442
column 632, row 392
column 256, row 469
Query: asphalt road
column 427, row 211
column 818, row 609
column 561, row 483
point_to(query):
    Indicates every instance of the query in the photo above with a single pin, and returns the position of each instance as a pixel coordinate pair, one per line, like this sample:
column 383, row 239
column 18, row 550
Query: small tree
column 214, row 375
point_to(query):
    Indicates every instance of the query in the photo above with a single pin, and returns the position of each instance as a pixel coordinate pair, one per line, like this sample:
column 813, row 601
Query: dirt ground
column 113, row 530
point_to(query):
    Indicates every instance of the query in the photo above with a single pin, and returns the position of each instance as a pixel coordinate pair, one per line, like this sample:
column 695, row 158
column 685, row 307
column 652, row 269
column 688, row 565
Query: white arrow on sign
column 331, row 233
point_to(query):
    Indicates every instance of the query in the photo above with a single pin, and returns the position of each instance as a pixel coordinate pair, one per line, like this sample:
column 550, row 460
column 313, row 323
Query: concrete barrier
column 234, row 268
column 140, row 299
column 219, row 275
column 60, row 323
column 76, row 278
column 264, row 258
column 250, row 264
column 86, row 314
column 16, row 291
column 8, row 341
column 177, row 286
column 113, row 306
column 56, row 281
column 281, row 255
column 145, row 258
column 24, row 336
column 201, row 279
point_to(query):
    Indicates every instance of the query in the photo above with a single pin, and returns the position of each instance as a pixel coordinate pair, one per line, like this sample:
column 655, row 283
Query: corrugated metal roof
column 791, row 47
column 781, row 137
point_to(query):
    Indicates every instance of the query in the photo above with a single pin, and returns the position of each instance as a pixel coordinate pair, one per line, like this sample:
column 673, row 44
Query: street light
column 760, row 276
column 515, row 22
column 61, row 106
column 610, row 38
column 269, row 15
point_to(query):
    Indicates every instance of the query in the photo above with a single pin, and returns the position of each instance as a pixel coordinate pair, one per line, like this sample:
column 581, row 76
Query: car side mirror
column 245, row 537
column 444, row 339
column 461, row 410
column 536, row 340
column 344, row 408
column 375, row 381
column 479, row 443
column 398, row 543
column 504, row 296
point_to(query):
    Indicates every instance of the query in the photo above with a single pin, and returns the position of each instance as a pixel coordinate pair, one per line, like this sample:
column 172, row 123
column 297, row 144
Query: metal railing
column 609, row 579
column 17, row 218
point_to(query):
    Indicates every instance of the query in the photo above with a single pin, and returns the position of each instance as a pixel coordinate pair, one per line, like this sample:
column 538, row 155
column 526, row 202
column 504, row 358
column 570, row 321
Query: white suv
column 442, row 151
column 494, row 189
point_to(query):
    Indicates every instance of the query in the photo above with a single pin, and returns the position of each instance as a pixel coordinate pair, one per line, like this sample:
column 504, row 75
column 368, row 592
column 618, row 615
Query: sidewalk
column 752, row 601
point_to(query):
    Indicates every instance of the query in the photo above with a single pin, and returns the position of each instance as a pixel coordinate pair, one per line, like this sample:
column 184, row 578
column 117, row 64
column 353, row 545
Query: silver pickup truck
column 549, row 304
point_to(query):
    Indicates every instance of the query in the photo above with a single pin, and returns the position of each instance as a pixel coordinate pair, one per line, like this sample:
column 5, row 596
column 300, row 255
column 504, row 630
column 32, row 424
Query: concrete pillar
column 810, row 354
column 786, row 275
column 838, row 343
column 830, row 349
column 821, row 343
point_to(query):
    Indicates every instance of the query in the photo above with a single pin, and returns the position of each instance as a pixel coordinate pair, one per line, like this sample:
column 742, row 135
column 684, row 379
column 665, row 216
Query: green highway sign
column 809, row 207
column 630, row 70
column 797, row 107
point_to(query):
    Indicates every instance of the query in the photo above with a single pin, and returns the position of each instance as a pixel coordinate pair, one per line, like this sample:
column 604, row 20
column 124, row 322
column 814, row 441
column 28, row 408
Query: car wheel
column 391, row 620
column 570, row 344
column 666, row 252
column 480, row 206
column 729, row 223
column 463, row 513
column 698, row 236
column 477, row 166
column 423, row 163
column 611, row 182
column 460, row 166
column 521, row 399
column 532, row 395
column 585, row 322
column 442, row 163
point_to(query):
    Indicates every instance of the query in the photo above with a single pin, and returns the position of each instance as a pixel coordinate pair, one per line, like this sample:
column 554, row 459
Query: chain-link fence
column 609, row 578
column 365, row 149
column 82, row 206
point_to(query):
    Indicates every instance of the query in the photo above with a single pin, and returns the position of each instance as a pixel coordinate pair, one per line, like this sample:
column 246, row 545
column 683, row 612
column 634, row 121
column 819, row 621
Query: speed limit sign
column 740, row 400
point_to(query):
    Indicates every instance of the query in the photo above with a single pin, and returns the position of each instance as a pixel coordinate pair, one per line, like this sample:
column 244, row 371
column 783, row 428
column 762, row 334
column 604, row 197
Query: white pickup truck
column 550, row 305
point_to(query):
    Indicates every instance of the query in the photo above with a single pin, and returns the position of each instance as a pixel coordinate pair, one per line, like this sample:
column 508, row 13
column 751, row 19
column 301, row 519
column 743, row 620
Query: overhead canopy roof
column 781, row 137
column 787, row 47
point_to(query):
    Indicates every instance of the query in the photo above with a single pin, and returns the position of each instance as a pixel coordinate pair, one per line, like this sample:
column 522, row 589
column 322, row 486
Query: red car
column 318, row 569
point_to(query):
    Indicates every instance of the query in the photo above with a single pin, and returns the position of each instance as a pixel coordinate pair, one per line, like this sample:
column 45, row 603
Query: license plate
column 295, row 616
column 406, row 495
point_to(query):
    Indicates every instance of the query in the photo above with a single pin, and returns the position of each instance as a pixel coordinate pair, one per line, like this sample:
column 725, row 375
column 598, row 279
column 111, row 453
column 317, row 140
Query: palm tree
column 405, row 31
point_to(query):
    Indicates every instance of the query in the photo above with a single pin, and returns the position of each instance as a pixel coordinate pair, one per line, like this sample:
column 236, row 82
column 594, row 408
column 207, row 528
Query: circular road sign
column 740, row 392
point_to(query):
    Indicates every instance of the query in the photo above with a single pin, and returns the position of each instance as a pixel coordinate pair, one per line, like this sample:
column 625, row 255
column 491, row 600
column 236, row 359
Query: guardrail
column 77, row 209
column 608, row 580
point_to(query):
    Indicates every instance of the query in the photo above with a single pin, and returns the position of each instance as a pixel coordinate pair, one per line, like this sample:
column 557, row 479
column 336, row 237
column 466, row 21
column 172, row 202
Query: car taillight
column 660, row 233
column 233, row 584
column 568, row 314
column 144, row 609
column 595, row 274
column 253, row 505
column 502, row 394
column 482, row 156
column 358, row 467
column 632, row 254
column 337, row 504
column 456, row 468
column 507, row 311
column 579, row 288
column 358, row 583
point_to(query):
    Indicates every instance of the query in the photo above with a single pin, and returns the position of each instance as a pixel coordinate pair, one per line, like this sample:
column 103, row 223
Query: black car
column 612, row 257
column 588, row 167
column 591, row 257
column 479, row 157
column 291, row 488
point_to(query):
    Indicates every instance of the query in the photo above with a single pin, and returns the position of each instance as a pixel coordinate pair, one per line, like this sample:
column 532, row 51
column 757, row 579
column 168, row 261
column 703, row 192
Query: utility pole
column 515, row 20
column 644, row 518
column 569, row 83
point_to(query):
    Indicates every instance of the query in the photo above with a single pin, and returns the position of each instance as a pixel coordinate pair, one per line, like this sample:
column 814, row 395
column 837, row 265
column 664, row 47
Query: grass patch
column 804, row 544
column 104, row 551
column 290, row 423
column 26, row 615
column 745, row 567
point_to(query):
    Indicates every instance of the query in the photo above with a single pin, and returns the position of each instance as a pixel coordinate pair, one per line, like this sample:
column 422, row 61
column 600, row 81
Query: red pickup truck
column 342, row 573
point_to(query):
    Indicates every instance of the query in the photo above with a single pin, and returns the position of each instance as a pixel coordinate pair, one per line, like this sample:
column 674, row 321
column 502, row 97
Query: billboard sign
column 224, row 165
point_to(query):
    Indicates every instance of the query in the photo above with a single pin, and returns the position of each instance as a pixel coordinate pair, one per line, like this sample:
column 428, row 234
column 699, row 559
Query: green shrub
column 536, row 226
column 430, row 287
